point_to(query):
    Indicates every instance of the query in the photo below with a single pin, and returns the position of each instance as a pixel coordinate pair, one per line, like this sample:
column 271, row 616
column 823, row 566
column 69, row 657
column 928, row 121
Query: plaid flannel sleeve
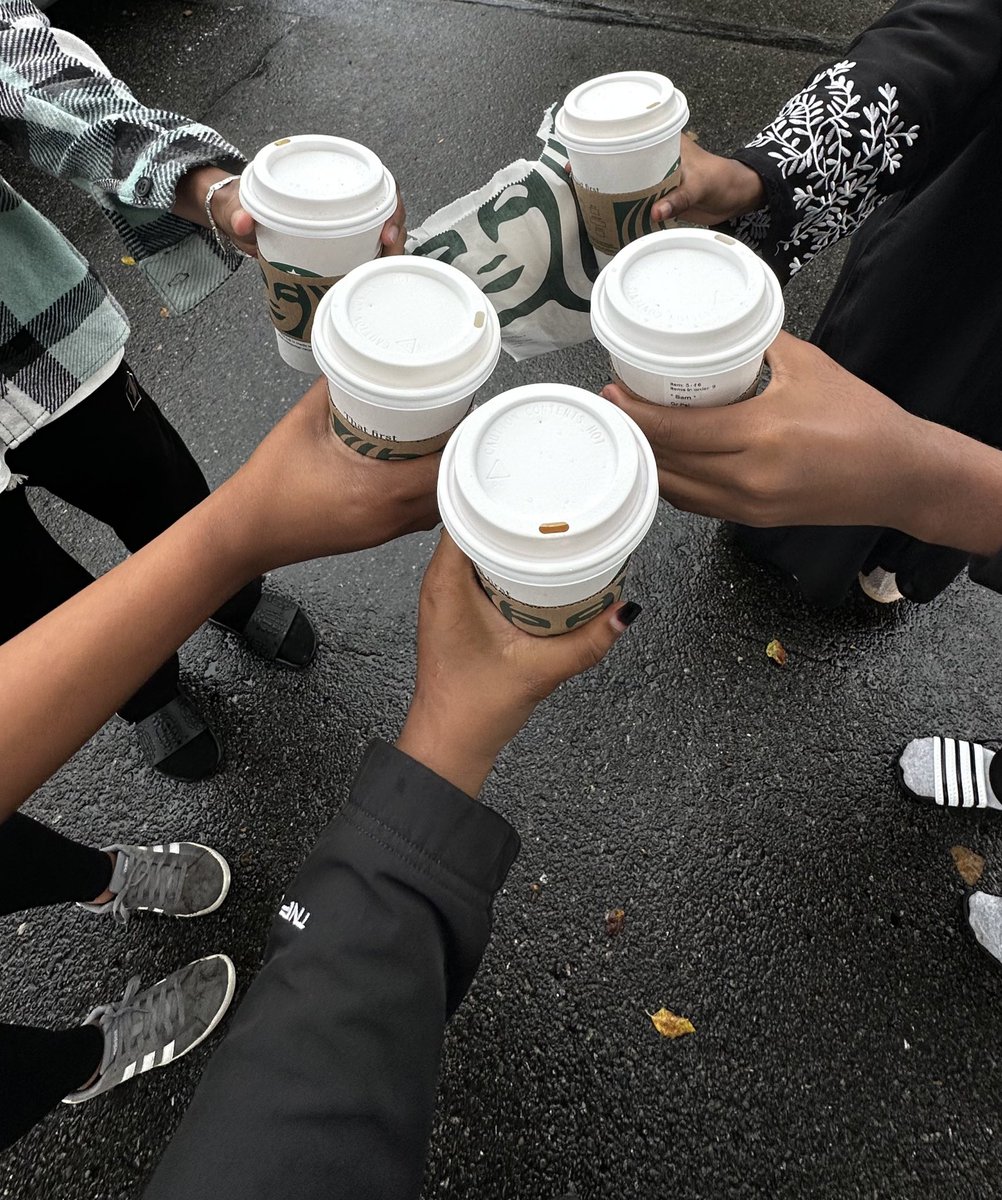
column 63, row 110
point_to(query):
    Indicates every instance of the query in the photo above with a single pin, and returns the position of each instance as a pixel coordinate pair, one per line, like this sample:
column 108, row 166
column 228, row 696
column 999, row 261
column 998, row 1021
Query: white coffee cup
column 623, row 134
column 405, row 342
column 549, row 490
column 319, row 203
column 687, row 315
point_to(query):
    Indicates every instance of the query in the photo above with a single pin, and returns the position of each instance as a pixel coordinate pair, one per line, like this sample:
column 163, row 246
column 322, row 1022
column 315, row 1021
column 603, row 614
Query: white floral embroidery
column 834, row 150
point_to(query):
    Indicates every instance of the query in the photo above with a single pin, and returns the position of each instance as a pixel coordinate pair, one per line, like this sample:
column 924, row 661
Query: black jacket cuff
column 431, row 820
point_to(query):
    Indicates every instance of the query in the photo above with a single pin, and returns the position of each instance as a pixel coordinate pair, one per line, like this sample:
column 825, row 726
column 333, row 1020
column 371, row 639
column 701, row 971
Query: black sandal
column 177, row 741
column 277, row 624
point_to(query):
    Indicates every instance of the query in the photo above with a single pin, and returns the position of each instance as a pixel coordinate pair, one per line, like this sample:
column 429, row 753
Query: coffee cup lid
column 406, row 327
column 688, row 300
column 313, row 184
column 548, row 482
column 629, row 107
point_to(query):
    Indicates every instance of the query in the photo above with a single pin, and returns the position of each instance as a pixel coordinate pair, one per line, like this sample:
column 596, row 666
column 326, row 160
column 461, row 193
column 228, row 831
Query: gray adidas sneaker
column 178, row 879
column 150, row 1029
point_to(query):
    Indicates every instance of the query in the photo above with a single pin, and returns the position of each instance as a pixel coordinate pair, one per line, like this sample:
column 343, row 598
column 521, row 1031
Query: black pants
column 116, row 457
column 39, row 1067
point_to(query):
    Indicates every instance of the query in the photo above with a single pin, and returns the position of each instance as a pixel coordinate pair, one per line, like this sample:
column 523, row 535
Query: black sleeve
column 324, row 1088
column 892, row 111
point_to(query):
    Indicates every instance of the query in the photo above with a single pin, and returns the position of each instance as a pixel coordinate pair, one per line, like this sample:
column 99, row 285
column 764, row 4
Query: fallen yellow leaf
column 969, row 865
column 165, row 312
column 669, row 1025
column 777, row 652
column 128, row 260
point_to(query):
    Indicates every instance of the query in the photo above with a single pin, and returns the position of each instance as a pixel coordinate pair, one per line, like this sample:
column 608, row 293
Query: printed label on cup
column 614, row 219
column 689, row 393
column 543, row 621
column 293, row 295
column 372, row 445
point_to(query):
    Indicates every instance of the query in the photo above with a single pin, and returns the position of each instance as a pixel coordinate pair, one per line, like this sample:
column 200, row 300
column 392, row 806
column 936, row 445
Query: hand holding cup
column 303, row 494
column 712, row 189
column 478, row 677
column 817, row 447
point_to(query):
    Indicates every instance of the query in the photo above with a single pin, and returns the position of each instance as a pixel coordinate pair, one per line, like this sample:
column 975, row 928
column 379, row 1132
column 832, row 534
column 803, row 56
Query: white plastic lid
column 634, row 107
column 686, row 300
column 548, row 482
column 406, row 328
column 315, row 184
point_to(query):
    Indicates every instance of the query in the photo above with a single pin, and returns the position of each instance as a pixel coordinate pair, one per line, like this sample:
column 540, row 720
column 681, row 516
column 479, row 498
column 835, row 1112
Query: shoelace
column 132, row 1027
column 149, row 882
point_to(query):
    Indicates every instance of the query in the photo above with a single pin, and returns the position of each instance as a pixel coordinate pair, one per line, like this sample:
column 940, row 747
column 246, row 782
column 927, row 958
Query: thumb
column 678, row 201
column 786, row 354
column 242, row 223
column 583, row 649
column 655, row 420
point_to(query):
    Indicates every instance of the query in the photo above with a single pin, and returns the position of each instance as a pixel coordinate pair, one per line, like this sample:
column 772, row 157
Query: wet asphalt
column 778, row 889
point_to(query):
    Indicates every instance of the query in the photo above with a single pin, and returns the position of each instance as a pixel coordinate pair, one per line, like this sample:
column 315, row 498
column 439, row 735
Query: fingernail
column 628, row 614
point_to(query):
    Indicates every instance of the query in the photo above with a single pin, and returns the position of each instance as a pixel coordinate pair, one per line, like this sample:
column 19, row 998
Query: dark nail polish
column 629, row 613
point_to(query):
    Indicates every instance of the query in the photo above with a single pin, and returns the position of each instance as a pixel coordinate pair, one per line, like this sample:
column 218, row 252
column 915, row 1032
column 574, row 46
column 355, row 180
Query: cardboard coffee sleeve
column 613, row 220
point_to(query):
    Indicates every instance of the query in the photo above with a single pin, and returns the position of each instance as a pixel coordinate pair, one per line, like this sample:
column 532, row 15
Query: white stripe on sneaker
column 979, row 763
column 969, row 800
column 950, row 769
column 148, row 1060
column 937, row 768
column 129, row 1071
column 168, row 1054
column 175, row 847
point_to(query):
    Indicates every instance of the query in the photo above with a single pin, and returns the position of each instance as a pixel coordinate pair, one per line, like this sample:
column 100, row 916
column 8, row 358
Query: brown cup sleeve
column 293, row 297
column 613, row 219
column 544, row 621
column 373, row 446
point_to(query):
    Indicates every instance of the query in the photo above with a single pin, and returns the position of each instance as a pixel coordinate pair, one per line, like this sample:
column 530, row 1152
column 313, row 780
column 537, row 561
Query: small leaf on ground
column 128, row 260
column 969, row 865
column 669, row 1025
column 777, row 652
column 615, row 919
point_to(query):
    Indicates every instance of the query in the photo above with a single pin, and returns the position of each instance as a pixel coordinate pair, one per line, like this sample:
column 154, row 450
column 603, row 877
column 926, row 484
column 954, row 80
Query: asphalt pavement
column 778, row 890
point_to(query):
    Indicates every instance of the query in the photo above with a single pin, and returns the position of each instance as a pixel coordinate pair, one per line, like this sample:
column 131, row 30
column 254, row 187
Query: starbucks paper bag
column 521, row 240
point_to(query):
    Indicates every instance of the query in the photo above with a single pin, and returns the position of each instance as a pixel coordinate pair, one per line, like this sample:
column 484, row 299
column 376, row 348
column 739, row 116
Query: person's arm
column 324, row 1088
column 820, row 447
column 885, row 116
column 303, row 493
column 147, row 168
column 63, row 110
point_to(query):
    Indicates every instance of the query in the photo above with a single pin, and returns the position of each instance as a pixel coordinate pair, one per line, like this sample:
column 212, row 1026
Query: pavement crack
column 773, row 37
column 259, row 67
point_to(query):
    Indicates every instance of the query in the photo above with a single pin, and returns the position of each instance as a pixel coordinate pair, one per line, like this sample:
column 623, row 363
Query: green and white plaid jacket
column 61, row 109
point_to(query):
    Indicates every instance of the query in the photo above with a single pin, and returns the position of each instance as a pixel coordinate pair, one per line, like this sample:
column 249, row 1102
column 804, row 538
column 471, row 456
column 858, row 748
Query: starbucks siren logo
column 293, row 296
